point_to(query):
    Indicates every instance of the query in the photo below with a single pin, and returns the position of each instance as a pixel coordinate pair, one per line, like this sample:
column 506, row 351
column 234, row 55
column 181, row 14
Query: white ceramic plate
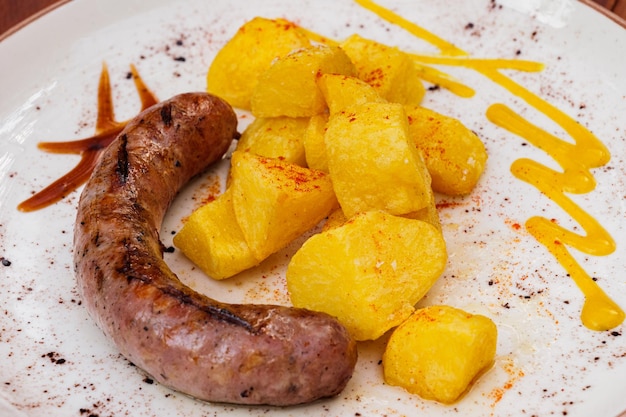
column 55, row 362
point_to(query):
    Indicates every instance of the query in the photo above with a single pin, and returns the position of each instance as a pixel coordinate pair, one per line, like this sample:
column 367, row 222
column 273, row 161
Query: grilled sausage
column 244, row 354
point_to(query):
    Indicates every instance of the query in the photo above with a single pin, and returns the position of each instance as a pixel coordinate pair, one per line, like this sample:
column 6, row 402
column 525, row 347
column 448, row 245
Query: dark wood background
column 12, row 12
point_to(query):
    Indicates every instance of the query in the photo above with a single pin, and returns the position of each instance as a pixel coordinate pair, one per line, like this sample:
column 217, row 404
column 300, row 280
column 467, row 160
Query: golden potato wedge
column 314, row 145
column 335, row 219
column 276, row 201
column 368, row 272
column 276, row 137
column 389, row 70
column 289, row 87
column 454, row 155
column 235, row 70
column 439, row 351
column 372, row 163
column 342, row 91
column 428, row 214
column 212, row 239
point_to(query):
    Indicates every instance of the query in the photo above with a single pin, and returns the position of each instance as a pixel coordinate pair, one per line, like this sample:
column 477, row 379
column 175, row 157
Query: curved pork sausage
column 244, row 354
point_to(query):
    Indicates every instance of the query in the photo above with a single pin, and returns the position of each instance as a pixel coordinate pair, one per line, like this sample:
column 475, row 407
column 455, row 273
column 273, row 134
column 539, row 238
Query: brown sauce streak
column 89, row 149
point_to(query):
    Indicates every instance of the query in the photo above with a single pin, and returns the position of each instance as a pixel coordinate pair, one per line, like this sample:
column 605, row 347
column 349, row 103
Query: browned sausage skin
column 244, row 354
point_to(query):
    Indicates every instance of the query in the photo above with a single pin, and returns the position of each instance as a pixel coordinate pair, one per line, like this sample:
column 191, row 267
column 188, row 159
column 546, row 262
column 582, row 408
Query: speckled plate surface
column 55, row 362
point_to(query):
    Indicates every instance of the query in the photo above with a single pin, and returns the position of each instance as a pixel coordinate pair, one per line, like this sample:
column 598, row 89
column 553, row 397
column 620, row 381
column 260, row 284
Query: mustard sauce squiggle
column 444, row 46
column 481, row 63
column 437, row 77
column 599, row 311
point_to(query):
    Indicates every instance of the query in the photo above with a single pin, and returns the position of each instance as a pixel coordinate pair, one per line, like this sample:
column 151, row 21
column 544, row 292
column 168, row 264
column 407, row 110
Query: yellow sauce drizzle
column 440, row 78
column 599, row 311
column 444, row 46
column 481, row 63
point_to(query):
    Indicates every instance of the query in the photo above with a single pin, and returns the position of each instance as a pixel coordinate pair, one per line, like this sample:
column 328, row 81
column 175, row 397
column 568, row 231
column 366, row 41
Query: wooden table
column 16, row 12
column 618, row 7
column 13, row 12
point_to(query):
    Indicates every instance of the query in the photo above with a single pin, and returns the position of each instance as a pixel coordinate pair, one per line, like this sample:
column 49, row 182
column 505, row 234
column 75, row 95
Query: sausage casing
column 244, row 354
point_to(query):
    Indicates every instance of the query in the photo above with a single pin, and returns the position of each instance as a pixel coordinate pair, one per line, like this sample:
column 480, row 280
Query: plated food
column 511, row 292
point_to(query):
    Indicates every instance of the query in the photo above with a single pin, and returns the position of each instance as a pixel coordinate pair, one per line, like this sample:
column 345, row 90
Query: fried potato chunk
column 373, row 164
column 454, row 155
column 339, row 92
column 368, row 272
column 276, row 137
column 428, row 214
column 235, row 70
column 389, row 70
column 212, row 239
column 289, row 86
column 314, row 145
column 439, row 351
column 275, row 201
column 342, row 91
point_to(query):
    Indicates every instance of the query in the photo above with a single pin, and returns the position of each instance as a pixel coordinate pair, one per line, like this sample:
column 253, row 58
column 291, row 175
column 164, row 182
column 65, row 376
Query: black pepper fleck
column 5, row 261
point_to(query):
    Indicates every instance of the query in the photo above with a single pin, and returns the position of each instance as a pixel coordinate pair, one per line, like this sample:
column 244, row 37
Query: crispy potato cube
column 276, row 201
column 276, row 137
column 439, row 351
column 334, row 219
column 314, row 145
column 233, row 76
column 428, row 214
column 454, row 155
column 212, row 239
column 342, row 91
column 389, row 70
column 372, row 163
column 289, row 87
column 369, row 272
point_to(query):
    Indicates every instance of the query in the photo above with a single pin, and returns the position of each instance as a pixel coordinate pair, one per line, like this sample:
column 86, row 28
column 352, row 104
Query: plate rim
column 15, row 28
